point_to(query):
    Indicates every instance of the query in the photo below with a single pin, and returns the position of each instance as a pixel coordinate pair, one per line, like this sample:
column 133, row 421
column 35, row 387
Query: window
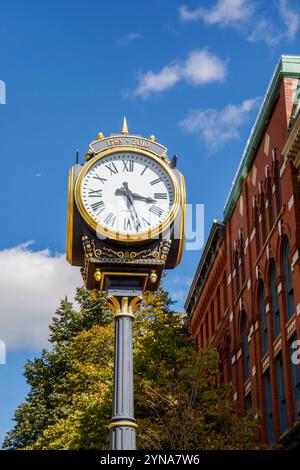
column 237, row 273
column 219, row 305
column 225, row 291
column 279, row 192
column 212, row 314
column 278, row 187
column 264, row 222
column 275, row 303
column 202, row 336
column 288, row 287
column 258, row 237
column 271, row 207
column 263, row 317
column 295, row 369
column 248, row 403
column 268, row 404
column 281, row 394
column 246, row 356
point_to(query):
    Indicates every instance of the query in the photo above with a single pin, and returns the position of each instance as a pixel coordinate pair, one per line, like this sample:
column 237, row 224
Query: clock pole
column 122, row 426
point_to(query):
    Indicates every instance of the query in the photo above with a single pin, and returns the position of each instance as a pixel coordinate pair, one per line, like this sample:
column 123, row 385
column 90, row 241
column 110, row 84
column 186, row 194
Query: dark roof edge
column 214, row 228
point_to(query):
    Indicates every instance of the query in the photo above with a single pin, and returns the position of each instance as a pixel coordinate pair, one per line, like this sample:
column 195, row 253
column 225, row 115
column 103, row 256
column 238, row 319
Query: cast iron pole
column 122, row 426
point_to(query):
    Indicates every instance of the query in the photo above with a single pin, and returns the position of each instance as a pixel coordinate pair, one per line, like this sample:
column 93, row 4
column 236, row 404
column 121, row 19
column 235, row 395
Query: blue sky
column 193, row 73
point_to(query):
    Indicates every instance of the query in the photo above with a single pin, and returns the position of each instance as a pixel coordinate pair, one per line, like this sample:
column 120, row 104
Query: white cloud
column 32, row 283
column 224, row 13
column 151, row 82
column 290, row 18
column 218, row 127
column 237, row 13
column 202, row 67
column 264, row 31
column 126, row 40
column 199, row 68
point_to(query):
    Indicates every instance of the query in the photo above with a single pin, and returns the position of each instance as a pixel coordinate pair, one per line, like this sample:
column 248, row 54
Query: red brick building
column 245, row 296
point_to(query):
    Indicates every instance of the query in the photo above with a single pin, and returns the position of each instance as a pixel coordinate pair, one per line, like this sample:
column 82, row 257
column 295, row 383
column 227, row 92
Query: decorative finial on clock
column 100, row 136
column 152, row 138
column 125, row 127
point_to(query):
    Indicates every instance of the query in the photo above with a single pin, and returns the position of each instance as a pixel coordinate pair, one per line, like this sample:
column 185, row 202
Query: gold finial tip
column 100, row 136
column 152, row 137
column 124, row 127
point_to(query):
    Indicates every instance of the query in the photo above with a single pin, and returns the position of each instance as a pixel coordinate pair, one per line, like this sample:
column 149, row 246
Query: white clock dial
column 127, row 193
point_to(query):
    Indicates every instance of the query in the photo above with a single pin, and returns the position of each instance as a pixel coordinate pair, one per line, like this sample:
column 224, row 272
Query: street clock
column 125, row 214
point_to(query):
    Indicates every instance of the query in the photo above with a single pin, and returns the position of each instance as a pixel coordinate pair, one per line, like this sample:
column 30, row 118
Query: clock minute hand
column 128, row 194
column 123, row 192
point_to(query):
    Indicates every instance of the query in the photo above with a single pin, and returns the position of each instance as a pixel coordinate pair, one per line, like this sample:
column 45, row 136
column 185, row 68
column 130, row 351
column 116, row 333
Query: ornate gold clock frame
column 123, row 266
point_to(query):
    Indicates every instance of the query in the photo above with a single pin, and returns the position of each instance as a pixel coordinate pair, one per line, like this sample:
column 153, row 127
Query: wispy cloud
column 224, row 13
column 238, row 13
column 216, row 127
column 32, row 283
column 265, row 31
column 128, row 38
column 290, row 18
column 200, row 67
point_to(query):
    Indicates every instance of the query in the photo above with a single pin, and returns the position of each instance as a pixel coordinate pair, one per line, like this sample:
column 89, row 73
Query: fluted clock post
column 122, row 426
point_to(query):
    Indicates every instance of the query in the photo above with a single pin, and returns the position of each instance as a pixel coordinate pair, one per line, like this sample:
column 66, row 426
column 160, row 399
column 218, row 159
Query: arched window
column 277, row 181
column 225, row 291
column 275, row 302
column 264, row 222
column 263, row 317
column 257, row 233
column 212, row 316
column 202, row 336
column 271, row 206
column 268, row 404
column 246, row 356
column 288, row 287
column 237, row 269
column 281, row 394
column 219, row 305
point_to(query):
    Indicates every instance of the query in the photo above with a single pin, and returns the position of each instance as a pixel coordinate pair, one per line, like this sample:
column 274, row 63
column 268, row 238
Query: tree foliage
column 177, row 404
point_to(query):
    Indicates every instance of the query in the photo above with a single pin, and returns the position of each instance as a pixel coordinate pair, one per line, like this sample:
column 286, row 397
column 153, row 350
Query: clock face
column 127, row 194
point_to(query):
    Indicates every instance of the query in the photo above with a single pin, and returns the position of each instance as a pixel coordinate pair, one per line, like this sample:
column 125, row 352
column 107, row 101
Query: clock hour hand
column 138, row 197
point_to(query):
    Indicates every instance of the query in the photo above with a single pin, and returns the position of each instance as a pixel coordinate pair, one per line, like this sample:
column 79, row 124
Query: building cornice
column 288, row 66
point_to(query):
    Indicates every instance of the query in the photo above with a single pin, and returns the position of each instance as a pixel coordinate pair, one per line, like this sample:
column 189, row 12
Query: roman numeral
column 145, row 222
column 97, row 177
column 144, row 170
column 160, row 195
column 128, row 165
column 112, row 168
column 98, row 205
column 155, row 181
column 95, row 193
column 156, row 210
column 110, row 219
column 127, row 224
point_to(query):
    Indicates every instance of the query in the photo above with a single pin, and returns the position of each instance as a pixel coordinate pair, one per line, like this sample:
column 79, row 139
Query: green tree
column 176, row 402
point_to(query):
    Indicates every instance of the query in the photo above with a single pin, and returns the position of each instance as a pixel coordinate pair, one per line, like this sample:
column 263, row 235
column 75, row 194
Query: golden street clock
column 125, row 213
column 127, row 195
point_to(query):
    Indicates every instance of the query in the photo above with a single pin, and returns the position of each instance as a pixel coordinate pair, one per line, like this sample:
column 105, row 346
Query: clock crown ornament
column 126, row 212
